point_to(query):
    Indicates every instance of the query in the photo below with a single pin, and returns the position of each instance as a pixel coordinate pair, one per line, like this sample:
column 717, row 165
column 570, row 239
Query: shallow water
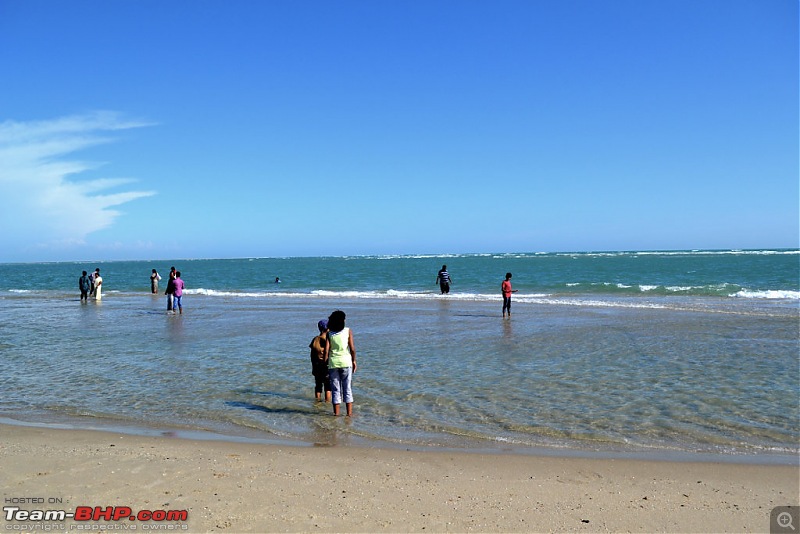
column 686, row 374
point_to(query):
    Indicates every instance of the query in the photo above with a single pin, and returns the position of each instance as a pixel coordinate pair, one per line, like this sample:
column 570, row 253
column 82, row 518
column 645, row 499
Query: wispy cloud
column 43, row 202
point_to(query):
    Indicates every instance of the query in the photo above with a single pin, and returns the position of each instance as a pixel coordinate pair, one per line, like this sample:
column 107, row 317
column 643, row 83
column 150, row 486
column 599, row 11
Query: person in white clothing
column 98, row 285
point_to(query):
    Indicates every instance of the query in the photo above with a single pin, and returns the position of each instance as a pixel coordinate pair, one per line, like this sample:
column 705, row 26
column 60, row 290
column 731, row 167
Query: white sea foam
column 417, row 256
column 635, row 253
column 576, row 255
column 527, row 298
column 239, row 294
column 592, row 303
column 768, row 294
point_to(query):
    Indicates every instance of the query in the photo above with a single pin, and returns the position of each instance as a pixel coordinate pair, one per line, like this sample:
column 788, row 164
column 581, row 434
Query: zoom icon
column 784, row 519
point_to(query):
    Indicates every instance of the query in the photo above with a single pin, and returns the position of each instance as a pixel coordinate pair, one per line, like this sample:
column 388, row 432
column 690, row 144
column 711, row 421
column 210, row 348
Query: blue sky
column 189, row 129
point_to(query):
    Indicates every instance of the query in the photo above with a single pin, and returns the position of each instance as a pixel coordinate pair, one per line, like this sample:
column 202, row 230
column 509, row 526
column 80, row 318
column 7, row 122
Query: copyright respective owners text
column 54, row 514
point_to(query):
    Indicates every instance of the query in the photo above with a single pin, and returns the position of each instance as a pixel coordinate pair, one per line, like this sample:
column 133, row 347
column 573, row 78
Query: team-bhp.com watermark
column 27, row 515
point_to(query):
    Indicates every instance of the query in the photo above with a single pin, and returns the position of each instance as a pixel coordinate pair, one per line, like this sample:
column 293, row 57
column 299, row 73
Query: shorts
column 341, row 384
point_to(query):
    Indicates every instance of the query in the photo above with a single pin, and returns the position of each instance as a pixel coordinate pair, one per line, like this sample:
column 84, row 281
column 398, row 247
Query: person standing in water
column 505, row 288
column 322, row 379
column 443, row 279
column 169, row 292
column 85, row 286
column 98, row 285
column 91, row 282
column 177, row 292
column 154, row 278
column 340, row 353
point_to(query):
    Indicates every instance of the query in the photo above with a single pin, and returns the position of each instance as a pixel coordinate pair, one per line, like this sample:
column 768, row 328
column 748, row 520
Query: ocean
column 677, row 354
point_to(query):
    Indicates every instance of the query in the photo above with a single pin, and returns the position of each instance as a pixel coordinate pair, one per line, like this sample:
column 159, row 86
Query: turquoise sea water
column 654, row 352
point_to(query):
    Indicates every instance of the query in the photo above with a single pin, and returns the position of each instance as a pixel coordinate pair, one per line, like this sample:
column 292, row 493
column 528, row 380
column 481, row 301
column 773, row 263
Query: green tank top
column 339, row 355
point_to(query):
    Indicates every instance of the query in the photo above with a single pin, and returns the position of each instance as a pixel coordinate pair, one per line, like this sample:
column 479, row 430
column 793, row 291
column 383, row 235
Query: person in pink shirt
column 177, row 292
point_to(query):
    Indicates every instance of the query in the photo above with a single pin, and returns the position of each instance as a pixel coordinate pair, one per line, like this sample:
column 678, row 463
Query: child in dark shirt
column 319, row 367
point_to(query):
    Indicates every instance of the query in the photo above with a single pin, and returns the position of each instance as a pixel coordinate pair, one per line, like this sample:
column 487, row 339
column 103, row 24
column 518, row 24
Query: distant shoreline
column 411, row 255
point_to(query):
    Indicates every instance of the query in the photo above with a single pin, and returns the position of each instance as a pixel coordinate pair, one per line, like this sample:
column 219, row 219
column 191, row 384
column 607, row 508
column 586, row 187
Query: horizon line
column 422, row 255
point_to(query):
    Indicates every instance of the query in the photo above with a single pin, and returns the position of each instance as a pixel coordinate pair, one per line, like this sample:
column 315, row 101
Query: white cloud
column 42, row 201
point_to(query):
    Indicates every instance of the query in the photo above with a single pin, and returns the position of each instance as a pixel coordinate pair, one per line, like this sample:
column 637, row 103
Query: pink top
column 506, row 287
column 178, row 286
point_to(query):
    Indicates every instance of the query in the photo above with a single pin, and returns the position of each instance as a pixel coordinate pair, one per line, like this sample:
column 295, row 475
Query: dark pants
column 322, row 379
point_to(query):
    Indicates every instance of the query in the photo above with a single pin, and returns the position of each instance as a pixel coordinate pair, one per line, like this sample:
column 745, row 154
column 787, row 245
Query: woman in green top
column 340, row 353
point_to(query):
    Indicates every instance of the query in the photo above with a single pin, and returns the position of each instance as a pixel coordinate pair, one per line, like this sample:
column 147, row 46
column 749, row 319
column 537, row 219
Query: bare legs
column 348, row 405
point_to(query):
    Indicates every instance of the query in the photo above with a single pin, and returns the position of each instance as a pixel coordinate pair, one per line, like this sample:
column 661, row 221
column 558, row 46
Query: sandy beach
column 240, row 487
